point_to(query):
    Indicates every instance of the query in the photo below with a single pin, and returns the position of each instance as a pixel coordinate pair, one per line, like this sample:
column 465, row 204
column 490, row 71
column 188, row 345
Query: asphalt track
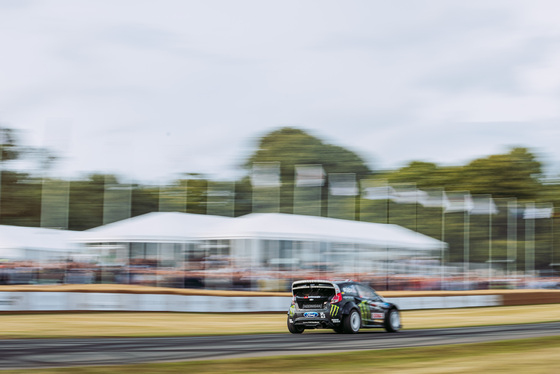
column 42, row 353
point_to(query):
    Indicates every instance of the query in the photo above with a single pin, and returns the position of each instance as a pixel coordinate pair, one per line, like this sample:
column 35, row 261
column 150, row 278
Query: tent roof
column 301, row 227
column 36, row 238
column 174, row 226
column 155, row 226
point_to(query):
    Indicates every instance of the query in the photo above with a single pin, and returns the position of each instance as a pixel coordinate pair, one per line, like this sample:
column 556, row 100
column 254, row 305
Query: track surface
column 35, row 353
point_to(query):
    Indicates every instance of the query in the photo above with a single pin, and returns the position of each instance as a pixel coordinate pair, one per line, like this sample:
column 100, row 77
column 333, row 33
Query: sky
column 152, row 89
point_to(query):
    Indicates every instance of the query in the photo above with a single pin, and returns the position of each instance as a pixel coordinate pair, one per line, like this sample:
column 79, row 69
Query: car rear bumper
column 314, row 319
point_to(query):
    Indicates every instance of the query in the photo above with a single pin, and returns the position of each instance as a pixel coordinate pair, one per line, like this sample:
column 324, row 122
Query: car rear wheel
column 339, row 329
column 392, row 321
column 352, row 322
column 293, row 328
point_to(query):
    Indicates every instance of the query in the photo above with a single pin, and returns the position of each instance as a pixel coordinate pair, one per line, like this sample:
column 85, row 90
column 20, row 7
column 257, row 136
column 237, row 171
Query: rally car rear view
column 344, row 306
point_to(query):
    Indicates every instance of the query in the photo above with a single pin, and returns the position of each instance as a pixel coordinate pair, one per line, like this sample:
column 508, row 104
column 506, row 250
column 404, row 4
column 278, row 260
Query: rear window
column 323, row 290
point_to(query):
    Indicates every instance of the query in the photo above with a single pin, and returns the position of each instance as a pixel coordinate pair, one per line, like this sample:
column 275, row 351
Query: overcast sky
column 149, row 89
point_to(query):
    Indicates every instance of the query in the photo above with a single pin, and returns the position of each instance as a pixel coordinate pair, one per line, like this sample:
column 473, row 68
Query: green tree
column 9, row 145
column 515, row 174
column 20, row 193
column 86, row 203
column 197, row 189
column 290, row 146
column 144, row 200
column 20, row 201
column 423, row 174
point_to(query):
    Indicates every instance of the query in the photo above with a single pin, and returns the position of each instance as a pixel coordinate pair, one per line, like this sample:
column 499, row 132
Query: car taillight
column 336, row 298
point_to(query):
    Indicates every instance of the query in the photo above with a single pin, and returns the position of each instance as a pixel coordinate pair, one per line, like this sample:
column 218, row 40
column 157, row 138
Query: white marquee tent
column 312, row 228
column 158, row 227
column 258, row 240
column 37, row 244
column 179, row 227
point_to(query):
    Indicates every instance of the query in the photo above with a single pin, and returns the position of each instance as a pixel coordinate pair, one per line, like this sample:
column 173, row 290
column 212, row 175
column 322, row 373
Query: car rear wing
column 313, row 283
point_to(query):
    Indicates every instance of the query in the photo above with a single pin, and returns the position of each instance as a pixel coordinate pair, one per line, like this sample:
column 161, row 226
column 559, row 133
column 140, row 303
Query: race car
column 344, row 306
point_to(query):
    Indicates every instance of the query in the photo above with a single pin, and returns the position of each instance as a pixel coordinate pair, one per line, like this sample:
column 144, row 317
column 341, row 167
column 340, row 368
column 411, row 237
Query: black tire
column 392, row 321
column 352, row 322
column 293, row 328
column 339, row 329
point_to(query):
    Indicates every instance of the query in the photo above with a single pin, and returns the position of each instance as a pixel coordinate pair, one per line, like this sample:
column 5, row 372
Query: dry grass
column 534, row 361
column 105, row 324
column 481, row 316
column 518, row 356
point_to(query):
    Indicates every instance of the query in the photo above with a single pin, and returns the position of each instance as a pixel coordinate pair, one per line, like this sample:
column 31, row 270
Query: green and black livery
column 344, row 306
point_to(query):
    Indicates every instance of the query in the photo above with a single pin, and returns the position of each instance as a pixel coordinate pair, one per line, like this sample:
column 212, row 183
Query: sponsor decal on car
column 335, row 320
column 377, row 315
column 292, row 311
column 310, row 314
column 334, row 310
column 364, row 310
column 350, row 289
column 312, row 306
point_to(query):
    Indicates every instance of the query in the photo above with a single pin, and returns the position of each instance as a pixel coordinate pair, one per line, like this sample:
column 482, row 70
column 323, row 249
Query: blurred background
column 487, row 224
column 242, row 146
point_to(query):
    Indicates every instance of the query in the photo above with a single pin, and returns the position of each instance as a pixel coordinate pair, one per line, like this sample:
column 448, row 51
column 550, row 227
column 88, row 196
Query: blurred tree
column 20, row 202
column 9, row 145
column 144, row 200
column 197, row 188
column 423, row 174
column 515, row 174
column 243, row 197
column 86, row 203
column 291, row 146
column 20, row 193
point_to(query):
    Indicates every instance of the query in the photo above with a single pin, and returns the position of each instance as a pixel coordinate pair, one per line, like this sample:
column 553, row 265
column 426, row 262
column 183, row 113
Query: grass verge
column 122, row 324
column 538, row 355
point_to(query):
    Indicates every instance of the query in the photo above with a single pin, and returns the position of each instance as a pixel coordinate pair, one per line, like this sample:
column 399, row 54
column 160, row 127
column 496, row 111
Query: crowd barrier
column 75, row 301
column 168, row 300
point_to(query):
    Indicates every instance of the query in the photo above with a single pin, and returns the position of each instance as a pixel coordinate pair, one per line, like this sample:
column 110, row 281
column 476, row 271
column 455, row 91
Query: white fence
column 79, row 301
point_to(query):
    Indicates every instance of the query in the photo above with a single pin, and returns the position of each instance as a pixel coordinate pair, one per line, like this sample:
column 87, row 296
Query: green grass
column 537, row 355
